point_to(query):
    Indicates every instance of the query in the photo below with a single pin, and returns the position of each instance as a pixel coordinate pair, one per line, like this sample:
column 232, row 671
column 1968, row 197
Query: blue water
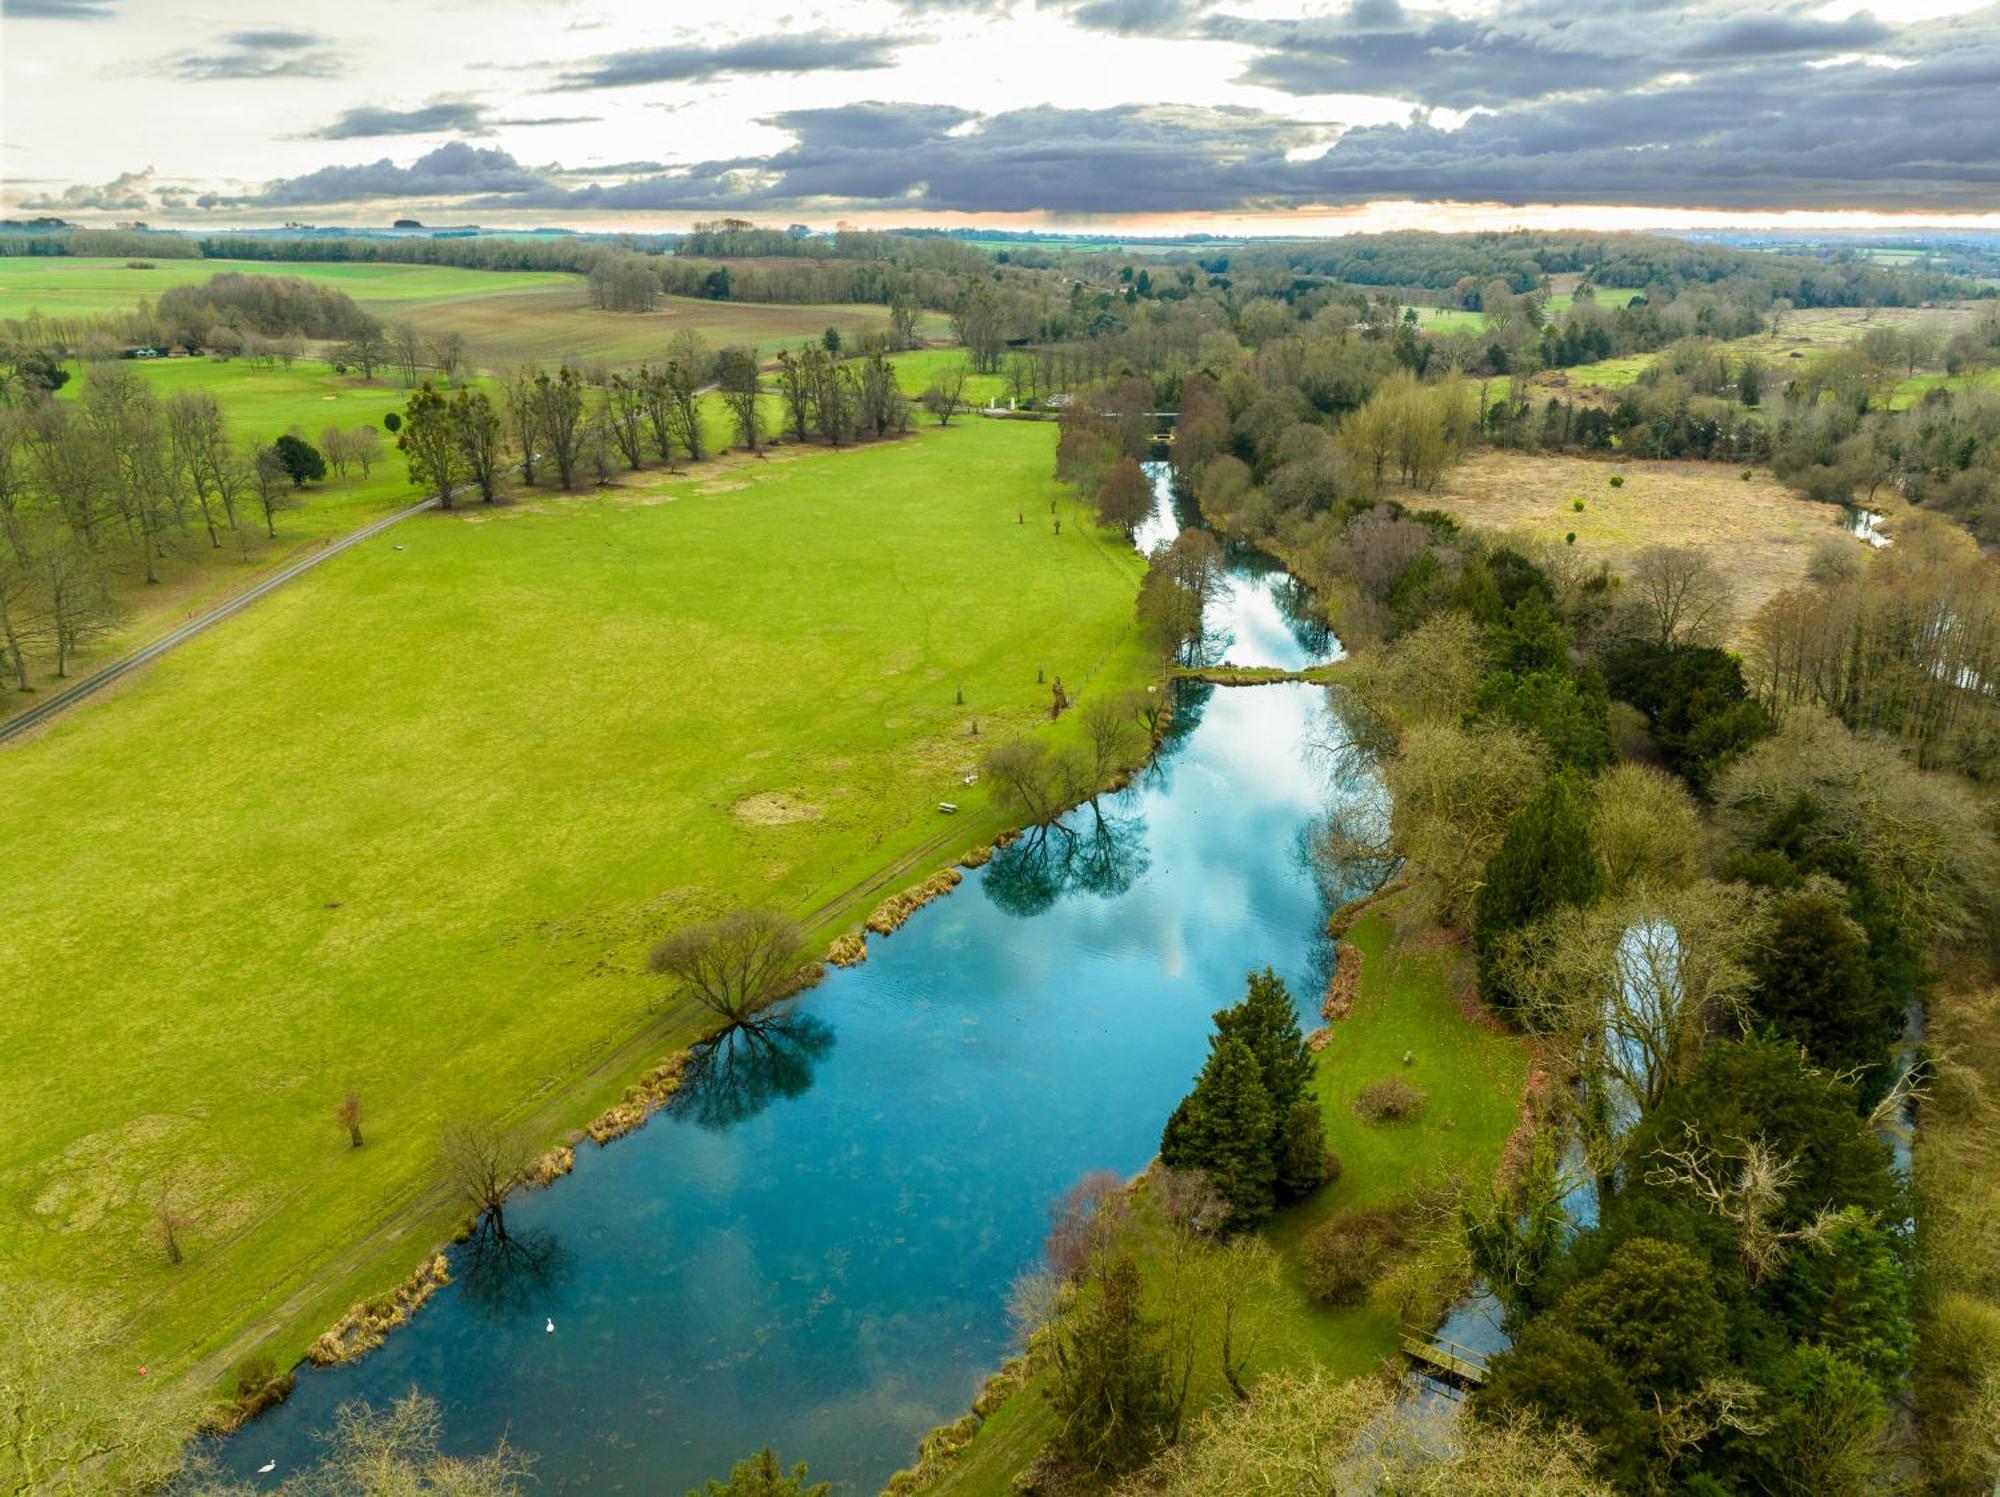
column 813, row 1248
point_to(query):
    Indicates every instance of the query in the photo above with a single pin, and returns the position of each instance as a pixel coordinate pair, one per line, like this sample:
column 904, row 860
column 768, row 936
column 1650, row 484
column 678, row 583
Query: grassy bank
column 411, row 825
column 1957, row 1380
column 1409, row 1003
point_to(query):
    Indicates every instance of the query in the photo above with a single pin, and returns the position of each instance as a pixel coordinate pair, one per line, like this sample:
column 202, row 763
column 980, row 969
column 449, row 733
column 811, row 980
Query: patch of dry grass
column 1759, row 533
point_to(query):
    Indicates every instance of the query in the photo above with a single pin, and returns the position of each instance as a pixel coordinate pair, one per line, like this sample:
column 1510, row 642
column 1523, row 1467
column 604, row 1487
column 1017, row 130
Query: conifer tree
column 1547, row 859
column 1224, row 1128
column 1110, row 1393
column 1267, row 1021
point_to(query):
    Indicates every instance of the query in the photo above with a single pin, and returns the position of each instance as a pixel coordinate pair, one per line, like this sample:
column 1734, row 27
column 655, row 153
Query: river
column 812, row 1247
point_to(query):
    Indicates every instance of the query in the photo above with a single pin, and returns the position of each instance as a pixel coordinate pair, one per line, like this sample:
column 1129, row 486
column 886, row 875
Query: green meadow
column 72, row 286
column 411, row 824
column 1408, row 1004
column 505, row 317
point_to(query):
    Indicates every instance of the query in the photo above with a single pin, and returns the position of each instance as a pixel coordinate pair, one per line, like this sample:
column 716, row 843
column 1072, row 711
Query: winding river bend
column 812, row 1247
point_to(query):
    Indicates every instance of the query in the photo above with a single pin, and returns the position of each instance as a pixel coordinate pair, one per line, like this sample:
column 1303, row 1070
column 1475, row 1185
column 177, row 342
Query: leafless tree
column 735, row 965
column 1682, row 596
column 348, row 1115
column 1034, row 781
column 945, row 393
column 479, row 1161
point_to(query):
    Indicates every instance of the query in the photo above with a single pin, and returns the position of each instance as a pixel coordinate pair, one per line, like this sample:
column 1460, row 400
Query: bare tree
column 74, row 598
column 942, row 397
column 1111, row 730
column 1033, row 780
column 348, row 1115
column 479, row 1161
column 171, row 1216
column 736, row 372
column 73, row 1419
column 1682, row 596
column 407, row 348
column 16, row 593
column 735, row 965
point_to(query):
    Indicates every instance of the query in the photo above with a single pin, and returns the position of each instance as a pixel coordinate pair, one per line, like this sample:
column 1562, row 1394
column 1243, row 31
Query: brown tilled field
column 1760, row 533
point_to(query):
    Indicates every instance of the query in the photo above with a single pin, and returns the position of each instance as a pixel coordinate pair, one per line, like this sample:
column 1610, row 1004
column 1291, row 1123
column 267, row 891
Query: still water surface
column 813, row 1247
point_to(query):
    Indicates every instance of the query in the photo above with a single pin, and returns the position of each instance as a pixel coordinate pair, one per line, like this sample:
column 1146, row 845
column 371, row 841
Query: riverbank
column 1409, row 1021
column 432, row 832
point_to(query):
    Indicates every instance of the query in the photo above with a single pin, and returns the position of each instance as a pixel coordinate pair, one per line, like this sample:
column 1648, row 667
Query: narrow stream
column 812, row 1247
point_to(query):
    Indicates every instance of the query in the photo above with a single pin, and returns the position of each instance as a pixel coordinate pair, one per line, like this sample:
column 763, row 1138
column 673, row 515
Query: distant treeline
column 1462, row 263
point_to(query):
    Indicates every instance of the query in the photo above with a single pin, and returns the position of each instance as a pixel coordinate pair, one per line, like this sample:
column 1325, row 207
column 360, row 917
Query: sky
column 1220, row 116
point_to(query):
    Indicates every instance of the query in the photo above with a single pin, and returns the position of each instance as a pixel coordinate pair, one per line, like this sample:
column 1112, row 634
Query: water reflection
column 1261, row 615
column 502, row 1275
column 1090, row 851
column 743, row 1070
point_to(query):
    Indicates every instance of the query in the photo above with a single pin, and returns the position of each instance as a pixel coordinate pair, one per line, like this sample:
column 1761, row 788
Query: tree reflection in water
column 1105, row 856
column 503, row 1275
column 740, row 1072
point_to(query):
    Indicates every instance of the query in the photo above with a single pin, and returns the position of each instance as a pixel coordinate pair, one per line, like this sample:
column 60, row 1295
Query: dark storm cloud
column 367, row 122
column 807, row 52
column 452, row 170
column 268, row 53
column 1769, row 132
column 1529, row 51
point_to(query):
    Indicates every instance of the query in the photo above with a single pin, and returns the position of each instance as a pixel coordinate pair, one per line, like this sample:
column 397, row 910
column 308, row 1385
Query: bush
column 1390, row 1100
column 1344, row 1258
column 1618, row 480
column 1577, row 505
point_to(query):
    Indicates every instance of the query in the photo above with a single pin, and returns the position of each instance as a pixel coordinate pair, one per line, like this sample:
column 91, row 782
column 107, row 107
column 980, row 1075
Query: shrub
column 1344, row 1258
column 1577, row 505
column 1390, row 1100
column 1618, row 480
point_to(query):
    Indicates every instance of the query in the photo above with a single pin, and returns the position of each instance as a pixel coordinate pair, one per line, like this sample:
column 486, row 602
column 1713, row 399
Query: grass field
column 411, row 824
column 506, row 317
column 1801, row 334
column 915, row 371
column 553, row 323
column 1408, row 1003
column 68, row 286
column 259, row 405
column 1760, row 533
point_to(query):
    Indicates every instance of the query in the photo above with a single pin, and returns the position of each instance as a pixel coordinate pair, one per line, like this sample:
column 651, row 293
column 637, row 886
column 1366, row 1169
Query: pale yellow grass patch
column 1757, row 531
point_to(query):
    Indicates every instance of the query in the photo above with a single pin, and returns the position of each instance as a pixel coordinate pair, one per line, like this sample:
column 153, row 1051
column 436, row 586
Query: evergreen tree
column 1224, row 1128
column 1815, row 985
column 763, row 1476
column 1299, row 1153
column 301, row 460
column 1547, row 859
column 1267, row 1021
column 1110, row 1392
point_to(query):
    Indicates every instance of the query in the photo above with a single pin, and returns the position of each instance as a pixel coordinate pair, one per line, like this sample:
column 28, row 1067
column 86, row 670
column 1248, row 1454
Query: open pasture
column 410, row 826
column 73, row 286
column 1757, row 531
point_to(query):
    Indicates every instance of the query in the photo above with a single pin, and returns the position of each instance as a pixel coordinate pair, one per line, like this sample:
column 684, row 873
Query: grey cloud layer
column 808, row 52
column 1619, row 102
column 1528, row 51
column 272, row 53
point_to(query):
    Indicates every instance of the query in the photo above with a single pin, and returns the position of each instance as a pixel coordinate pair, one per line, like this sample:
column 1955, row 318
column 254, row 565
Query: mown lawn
column 1408, row 1005
column 411, row 824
